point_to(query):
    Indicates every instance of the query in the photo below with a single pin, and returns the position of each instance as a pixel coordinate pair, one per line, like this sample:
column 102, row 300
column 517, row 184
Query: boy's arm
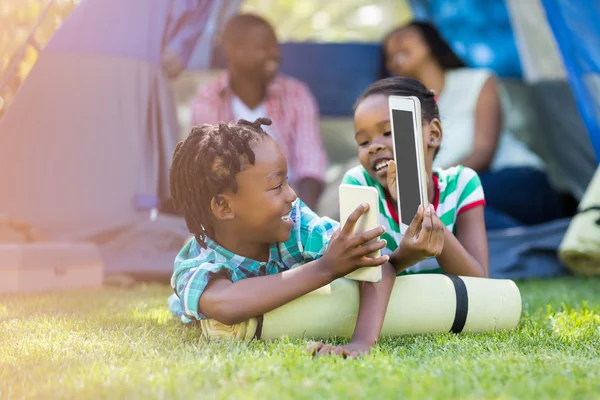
column 234, row 302
column 231, row 303
column 466, row 253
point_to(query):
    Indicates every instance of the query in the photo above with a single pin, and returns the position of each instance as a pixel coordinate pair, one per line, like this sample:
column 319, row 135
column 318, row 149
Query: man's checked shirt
column 295, row 115
column 195, row 266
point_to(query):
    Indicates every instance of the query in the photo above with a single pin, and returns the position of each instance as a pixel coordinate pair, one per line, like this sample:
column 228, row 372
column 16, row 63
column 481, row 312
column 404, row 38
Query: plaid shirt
column 295, row 115
column 195, row 266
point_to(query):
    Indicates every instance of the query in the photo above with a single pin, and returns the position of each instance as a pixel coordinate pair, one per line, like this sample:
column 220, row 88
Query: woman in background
column 513, row 178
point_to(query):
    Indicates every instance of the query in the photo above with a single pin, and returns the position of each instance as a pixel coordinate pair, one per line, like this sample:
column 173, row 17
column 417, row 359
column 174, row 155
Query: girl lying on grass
column 454, row 221
column 456, row 193
column 257, row 247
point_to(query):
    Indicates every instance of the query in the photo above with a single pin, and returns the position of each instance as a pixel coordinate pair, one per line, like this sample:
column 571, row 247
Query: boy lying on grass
column 257, row 247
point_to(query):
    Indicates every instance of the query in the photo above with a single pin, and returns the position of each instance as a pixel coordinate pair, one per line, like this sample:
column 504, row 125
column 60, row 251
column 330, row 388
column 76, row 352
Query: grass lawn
column 114, row 343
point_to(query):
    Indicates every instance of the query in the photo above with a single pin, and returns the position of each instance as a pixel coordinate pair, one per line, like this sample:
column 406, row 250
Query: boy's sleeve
column 190, row 285
column 315, row 232
column 470, row 191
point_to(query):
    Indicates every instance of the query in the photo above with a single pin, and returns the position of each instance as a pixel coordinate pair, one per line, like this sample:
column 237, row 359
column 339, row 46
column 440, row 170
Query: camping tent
column 553, row 46
column 550, row 44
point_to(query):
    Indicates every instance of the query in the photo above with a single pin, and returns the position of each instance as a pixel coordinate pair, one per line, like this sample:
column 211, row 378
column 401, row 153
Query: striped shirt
column 195, row 266
column 294, row 113
column 456, row 190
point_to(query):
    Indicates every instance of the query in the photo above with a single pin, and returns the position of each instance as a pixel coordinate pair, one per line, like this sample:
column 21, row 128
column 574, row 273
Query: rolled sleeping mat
column 579, row 250
column 428, row 303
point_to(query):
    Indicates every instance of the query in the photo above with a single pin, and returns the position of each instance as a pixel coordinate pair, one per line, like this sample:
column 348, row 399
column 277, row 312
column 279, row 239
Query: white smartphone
column 407, row 136
column 352, row 196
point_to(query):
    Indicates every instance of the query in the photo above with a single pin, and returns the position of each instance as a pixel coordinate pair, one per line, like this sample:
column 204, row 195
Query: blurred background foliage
column 17, row 20
column 332, row 21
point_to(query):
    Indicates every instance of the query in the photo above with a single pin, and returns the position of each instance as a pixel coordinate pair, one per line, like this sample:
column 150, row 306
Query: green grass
column 124, row 344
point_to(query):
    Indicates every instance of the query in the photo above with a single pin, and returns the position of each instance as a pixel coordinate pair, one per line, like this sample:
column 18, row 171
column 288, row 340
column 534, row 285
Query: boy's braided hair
column 206, row 163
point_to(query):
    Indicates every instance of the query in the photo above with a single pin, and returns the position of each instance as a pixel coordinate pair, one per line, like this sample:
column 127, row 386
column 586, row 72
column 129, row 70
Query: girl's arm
column 488, row 126
column 466, row 253
column 374, row 299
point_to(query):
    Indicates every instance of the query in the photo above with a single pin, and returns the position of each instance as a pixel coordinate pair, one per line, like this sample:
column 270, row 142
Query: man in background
column 253, row 88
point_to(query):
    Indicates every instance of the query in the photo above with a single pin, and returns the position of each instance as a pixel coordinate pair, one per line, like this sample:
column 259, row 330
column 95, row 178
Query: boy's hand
column 423, row 239
column 352, row 350
column 347, row 252
column 391, row 180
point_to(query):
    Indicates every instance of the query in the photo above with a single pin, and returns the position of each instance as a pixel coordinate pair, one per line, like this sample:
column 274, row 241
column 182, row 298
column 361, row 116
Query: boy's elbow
column 222, row 310
column 228, row 318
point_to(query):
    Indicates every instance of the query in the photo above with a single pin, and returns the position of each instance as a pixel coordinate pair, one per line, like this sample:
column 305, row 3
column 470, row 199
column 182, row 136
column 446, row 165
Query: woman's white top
column 457, row 104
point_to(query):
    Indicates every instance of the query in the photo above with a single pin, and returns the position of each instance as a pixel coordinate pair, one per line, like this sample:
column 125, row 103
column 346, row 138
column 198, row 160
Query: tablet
column 352, row 196
column 407, row 136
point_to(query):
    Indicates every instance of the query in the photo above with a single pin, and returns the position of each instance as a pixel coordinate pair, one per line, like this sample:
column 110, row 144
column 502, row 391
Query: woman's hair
column 206, row 163
column 438, row 46
column 403, row 86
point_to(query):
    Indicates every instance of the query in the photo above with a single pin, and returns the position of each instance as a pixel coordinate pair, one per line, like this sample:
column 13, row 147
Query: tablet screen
column 406, row 161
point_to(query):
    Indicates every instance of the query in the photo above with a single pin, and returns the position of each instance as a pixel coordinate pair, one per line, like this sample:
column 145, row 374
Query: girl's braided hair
column 403, row 86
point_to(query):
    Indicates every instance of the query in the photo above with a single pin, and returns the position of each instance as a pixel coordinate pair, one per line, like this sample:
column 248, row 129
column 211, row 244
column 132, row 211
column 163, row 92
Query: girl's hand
column 352, row 350
column 391, row 180
column 423, row 239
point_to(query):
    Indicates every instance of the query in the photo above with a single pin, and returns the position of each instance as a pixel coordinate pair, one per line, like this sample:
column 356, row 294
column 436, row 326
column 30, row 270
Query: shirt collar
column 240, row 260
column 273, row 90
column 438, row 187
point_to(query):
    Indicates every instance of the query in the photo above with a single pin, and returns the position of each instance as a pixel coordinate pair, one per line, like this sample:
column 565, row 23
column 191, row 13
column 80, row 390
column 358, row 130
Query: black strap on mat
column 462, row 304
column 259, row 325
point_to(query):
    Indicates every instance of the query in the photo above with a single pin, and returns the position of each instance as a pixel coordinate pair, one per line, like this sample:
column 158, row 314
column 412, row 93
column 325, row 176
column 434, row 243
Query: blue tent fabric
column 527, row 252
column 577, row 33
column 478, row 31
column 343, row 72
